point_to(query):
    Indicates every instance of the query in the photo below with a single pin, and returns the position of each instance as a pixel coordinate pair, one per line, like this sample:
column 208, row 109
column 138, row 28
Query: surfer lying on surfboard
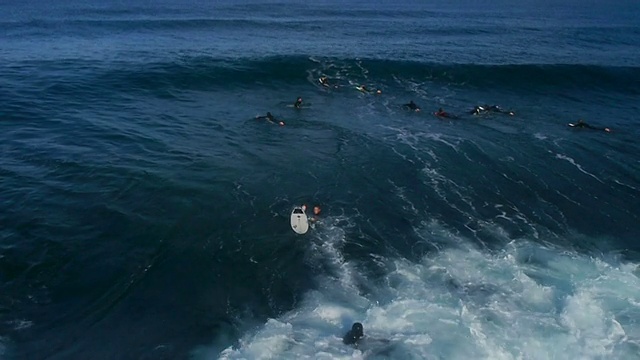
column 364, row 89
column 477, row 110
column 444, row 114
column 324, row 81
column 411, row 106
column 270, row 118
column 582, row 124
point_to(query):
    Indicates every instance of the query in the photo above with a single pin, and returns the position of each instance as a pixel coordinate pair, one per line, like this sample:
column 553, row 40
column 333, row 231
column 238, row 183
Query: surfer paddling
column 443, row 114
column 411, row 106
column 477, row 110
column 365, row 90
column 324, row 81
column 270, row 118
column 582, row 124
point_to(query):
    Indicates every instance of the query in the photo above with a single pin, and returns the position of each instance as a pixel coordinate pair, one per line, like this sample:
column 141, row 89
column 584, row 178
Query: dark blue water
column 144, row 212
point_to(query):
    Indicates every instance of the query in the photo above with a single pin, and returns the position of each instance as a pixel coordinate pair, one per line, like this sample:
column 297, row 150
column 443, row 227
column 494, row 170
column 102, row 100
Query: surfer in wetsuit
column 363, row 89
column 477, row 110
column 444, row 114
column 582, row 124
column 316, row 212
column 270, row 118
column 354, row 335
column 498, row 109
column 298, row 103
column 324, row 81
column 411, row 106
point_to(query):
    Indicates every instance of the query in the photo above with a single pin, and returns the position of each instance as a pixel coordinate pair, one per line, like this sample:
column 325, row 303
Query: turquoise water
column 144, row 210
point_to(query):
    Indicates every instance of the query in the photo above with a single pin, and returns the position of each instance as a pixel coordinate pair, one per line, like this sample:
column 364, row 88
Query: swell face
column 182, row 77
column 144, row 206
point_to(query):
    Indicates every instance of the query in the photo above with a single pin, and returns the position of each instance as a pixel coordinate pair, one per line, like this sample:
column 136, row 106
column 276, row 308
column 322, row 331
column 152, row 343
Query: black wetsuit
column 478, row 109
column 411, row 106
column 487, row 108
column 268, row 117
column 353, row 335
column 582, row 124
column 298, row 104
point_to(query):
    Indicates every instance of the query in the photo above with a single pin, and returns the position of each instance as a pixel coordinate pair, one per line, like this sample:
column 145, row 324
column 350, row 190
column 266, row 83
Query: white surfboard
column 299, row 221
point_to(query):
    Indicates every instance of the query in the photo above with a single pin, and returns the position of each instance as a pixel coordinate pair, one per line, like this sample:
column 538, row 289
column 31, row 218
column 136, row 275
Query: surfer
column 444, row 114
column 365, row 90
column 270, row 118
column 411, row 106
column 582, row 124
column 316, row 212
column 298, row 103
column 354, row 335
column 477, row 110
column 362, row 88
column 324, row 81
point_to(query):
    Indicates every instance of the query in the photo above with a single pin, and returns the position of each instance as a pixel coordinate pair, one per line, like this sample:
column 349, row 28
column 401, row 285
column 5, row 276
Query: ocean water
column 144, row 211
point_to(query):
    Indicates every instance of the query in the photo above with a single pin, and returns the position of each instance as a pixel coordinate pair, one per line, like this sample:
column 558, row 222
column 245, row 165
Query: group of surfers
column 412, row 106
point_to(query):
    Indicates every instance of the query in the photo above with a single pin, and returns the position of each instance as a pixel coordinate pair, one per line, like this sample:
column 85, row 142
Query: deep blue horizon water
column 144, row 211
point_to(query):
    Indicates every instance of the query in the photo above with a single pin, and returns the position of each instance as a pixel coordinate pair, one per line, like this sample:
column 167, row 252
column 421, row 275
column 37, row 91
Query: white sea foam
column 573, row 162
column 21, row 324
column 540, row 136
column 526, row 301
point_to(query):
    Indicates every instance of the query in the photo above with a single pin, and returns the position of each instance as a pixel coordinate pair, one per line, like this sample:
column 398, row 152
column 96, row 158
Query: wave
column 178, row 74
column 203, row 72
column 466, row 297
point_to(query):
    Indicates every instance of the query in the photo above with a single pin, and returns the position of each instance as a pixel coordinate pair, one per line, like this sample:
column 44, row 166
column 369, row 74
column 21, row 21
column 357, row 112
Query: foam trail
column 570, row 160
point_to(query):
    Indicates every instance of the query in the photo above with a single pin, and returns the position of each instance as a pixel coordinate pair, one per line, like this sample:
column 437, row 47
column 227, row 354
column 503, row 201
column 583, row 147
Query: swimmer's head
column 357, row 329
